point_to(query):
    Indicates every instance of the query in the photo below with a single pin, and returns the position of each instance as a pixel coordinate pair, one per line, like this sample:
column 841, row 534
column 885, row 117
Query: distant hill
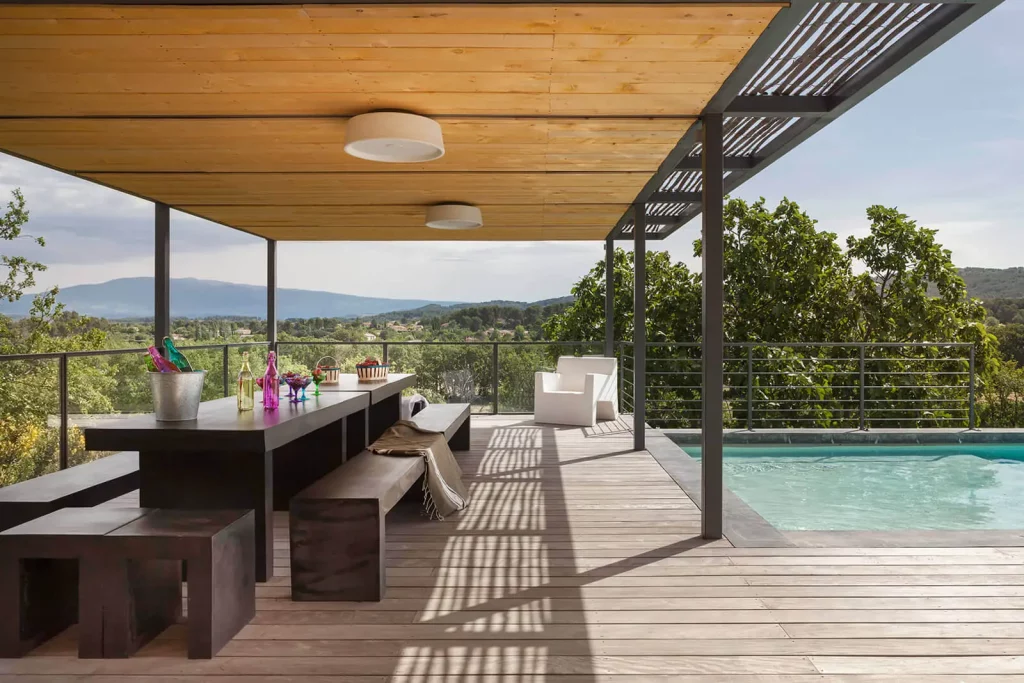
column 192, row 298
column 991, row 283
column 441, row 309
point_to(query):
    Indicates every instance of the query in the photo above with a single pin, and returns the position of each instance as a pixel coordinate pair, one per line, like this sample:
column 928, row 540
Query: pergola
column 562, row 121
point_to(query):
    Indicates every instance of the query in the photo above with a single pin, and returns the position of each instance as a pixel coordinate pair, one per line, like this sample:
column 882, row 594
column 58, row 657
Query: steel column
column 272, row 294
column 713, row 331
column 609, row 297
column 495, row 377
column 161, row 274
column 639, row 326
column 62, row 387
column 861, row 421
column 970, row 393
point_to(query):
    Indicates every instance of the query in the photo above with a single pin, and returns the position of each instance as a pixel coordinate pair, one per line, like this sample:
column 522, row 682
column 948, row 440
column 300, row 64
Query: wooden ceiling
column 553, row 116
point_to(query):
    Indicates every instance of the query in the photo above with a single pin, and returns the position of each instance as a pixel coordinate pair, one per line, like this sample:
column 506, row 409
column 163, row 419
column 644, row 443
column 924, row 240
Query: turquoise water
column 879, row 488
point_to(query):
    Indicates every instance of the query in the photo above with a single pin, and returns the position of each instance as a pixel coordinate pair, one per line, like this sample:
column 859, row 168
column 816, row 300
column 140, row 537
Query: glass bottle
column 246, row 385
column 270, row 383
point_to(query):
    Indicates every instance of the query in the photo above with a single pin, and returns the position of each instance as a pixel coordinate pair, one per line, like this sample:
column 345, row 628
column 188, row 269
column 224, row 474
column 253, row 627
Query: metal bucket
column 176, row 395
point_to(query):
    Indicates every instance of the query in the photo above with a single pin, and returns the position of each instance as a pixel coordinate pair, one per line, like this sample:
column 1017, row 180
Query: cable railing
column 855, row 385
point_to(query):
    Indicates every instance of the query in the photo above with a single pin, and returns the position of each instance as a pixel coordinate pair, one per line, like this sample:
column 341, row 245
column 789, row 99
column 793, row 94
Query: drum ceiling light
column 394, row 137
column 454, row 217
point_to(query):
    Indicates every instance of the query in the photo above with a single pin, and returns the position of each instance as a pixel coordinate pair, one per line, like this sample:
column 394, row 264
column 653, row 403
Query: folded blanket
column 443, row 490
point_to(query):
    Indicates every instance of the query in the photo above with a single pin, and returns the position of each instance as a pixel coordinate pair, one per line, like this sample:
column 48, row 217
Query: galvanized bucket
column 176, row 395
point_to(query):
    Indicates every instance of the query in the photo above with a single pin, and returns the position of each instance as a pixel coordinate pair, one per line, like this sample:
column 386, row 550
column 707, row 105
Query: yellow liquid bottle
column 246, row 386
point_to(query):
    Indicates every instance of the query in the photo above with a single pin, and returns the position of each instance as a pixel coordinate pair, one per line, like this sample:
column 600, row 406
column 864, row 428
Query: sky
column 944, row 142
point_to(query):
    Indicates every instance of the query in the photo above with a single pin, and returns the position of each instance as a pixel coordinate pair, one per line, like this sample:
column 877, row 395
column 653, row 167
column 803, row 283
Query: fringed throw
column 443, row 489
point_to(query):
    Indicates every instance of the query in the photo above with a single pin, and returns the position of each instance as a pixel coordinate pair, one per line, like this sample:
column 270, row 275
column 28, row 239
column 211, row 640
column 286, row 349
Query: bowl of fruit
column 371, row 370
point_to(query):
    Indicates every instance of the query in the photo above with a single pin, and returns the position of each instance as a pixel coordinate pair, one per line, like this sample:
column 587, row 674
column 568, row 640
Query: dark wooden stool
column 42, row 591
column 218, row 548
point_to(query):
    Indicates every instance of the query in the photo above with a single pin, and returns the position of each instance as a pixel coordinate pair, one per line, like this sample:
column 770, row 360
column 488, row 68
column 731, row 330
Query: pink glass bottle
column 270, row 384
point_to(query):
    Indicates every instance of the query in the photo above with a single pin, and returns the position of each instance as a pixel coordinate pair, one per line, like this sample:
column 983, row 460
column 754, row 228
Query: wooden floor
column 580, row 560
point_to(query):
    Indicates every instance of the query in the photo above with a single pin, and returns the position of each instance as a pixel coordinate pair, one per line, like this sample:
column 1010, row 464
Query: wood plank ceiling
column 553, row 116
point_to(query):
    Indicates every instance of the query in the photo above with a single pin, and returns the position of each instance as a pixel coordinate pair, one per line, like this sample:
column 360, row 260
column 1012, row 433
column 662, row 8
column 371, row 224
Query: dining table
column 230, row 459
column 385, row 399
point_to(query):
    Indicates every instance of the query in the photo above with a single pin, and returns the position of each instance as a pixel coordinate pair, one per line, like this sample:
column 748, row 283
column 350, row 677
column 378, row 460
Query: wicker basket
column 372, row 373
column 332, row 373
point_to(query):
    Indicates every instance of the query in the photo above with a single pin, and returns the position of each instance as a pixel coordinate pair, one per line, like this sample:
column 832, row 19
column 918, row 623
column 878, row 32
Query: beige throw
column 443, row 490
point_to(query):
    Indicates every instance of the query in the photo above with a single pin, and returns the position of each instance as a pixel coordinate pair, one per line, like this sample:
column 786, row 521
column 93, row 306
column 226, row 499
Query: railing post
column 861, row 384
column 384, row 352
column 62, row 387
column 970, row 392
column 224, row 374
column 494, row 375
column 750, row 388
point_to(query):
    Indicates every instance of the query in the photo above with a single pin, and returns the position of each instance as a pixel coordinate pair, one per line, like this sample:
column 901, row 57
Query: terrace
column 588, row 554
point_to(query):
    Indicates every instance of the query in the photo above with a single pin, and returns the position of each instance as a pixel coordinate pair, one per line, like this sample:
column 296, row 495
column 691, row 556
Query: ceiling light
column 454, row 217
column 394, row 137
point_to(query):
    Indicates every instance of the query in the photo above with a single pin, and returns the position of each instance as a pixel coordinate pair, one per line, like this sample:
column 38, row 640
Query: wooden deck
column 581, row 561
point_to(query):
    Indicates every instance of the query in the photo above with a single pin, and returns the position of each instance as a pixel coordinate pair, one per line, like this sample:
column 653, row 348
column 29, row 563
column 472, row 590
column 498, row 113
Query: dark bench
column 83, row 485
column 450, row 418
column 337, row 524
column 117, row 572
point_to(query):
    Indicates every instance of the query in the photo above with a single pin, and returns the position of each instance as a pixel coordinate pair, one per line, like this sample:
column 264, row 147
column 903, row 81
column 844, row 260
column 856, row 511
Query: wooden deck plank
column 580, row 562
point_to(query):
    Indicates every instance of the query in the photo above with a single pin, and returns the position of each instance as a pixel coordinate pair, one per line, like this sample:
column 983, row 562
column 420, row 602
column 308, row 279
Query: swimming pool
column 879, row 488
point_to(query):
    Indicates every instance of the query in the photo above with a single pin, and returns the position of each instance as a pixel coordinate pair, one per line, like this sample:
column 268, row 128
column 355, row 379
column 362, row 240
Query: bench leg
column 337, row 550
column 222, row 589
column 137, row 600
column 460, row 440
column 38, row 600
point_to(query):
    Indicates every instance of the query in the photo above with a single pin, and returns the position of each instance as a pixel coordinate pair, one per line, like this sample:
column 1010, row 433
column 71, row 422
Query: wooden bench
column 337, row 524
column 117, row 572
column 83, row 485
column 450, row 418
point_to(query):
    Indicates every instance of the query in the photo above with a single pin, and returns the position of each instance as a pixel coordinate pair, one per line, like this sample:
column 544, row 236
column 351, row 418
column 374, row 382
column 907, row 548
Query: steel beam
column 609, row 297
column 674, row 197
column 691, row 163
column 712, row 329
column 639, row 327
column 161, row 274
column 272, row 294
column 782, row 105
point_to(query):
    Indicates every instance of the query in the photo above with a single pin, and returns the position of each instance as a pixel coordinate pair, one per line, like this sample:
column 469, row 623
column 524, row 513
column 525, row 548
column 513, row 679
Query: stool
column 219, row 551
column 42, row 591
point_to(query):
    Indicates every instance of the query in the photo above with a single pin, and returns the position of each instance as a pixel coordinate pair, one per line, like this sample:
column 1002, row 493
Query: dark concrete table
column 385, row 399
column 230, row 460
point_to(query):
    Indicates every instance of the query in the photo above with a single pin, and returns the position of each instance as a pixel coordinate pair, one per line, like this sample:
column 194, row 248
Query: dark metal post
column 750, row 388
column 62, row 387
column 862, row 421
column 639, row 326
column 162, row 274
column 713, row 330
column 272, row 294
column 384, row 352
column 494, row 375
column 224, row 376
column 609, row 297
column 970, row 392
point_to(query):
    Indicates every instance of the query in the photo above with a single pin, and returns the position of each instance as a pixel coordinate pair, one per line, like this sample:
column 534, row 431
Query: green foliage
column 786, row 281
column 20, row 271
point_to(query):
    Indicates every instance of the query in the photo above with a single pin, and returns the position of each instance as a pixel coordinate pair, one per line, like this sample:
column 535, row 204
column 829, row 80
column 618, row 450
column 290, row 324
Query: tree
column 911, row 291
column 786, row 281
column 21, row 271
column 29, row 389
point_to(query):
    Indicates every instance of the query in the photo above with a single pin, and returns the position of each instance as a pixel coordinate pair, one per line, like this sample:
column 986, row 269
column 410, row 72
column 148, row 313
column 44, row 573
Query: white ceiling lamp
column 394, row 137
column 454, row 217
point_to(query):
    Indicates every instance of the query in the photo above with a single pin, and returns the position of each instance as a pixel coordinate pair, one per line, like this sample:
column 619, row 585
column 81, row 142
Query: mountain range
column 127, row 298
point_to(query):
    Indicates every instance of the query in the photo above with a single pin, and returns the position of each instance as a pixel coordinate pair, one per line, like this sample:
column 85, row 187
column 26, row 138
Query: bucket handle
column 319, row 364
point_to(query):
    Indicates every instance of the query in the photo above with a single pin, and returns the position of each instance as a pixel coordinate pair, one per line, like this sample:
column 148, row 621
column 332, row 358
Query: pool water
column 879, row 488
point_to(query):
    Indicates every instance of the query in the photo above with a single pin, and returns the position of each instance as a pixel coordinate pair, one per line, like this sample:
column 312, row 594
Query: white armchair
column 581, row 391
